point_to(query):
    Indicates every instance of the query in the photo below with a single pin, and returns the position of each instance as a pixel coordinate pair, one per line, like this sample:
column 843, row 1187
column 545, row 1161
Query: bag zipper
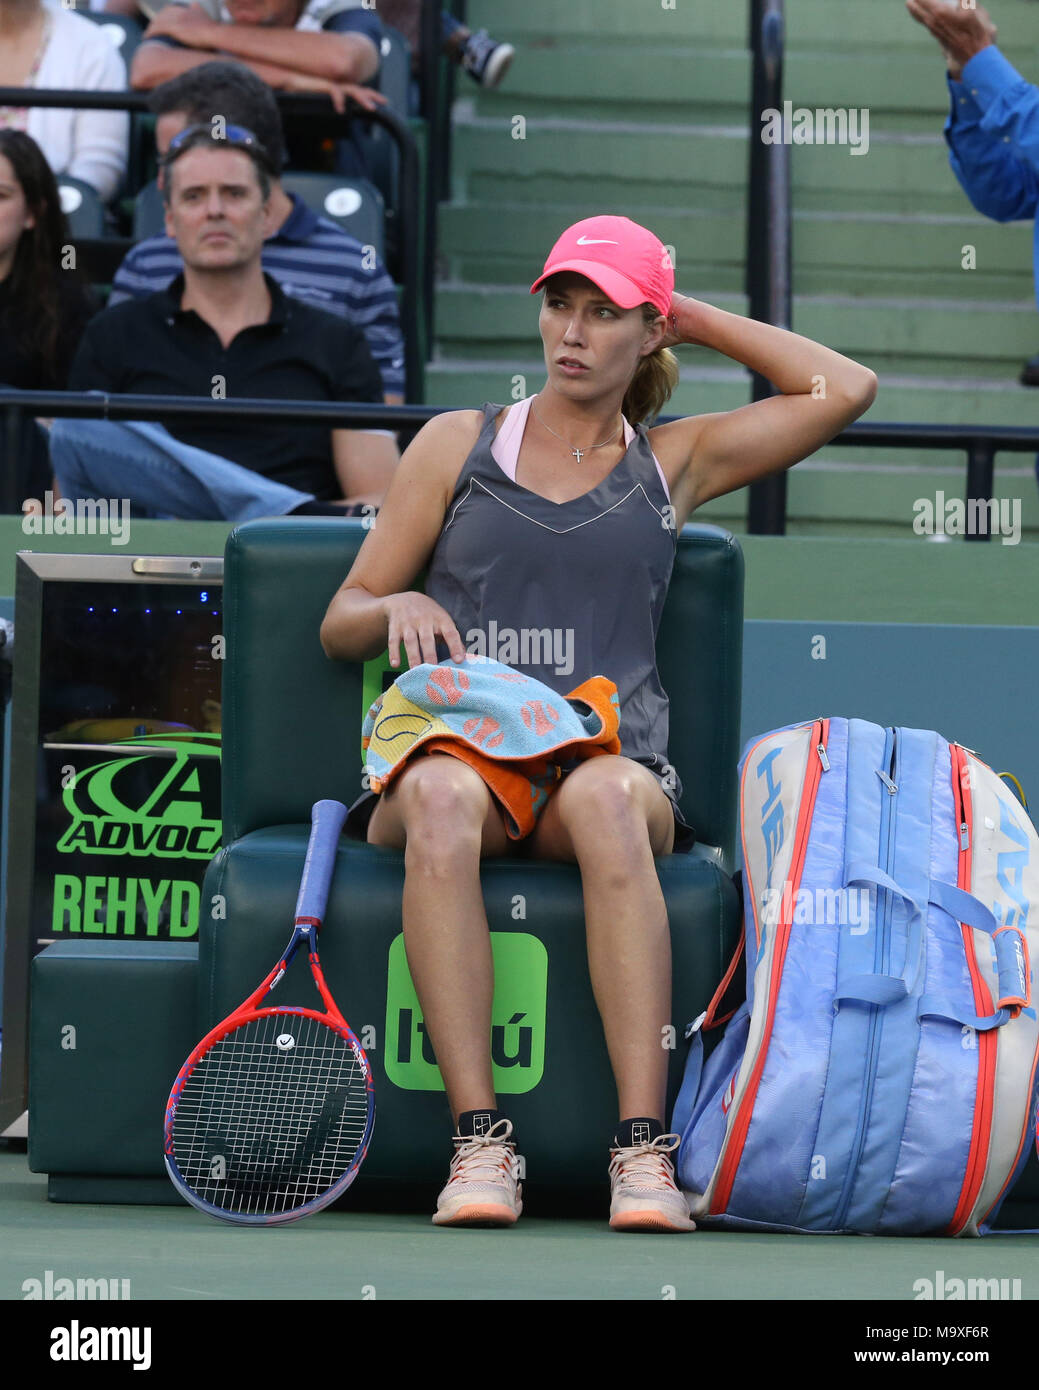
column 882, row 965
column 740, row 1123
column 977, row 1155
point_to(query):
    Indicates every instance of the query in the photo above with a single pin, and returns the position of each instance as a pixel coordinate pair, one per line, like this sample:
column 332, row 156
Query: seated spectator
column 223, row 330
column 312, row 258
column 329, row 46
column 44, row 308
column 47, row 47
column 485, row 59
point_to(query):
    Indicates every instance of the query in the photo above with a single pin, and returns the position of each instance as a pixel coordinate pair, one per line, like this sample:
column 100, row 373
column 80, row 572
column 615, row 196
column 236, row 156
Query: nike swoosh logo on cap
column 595, row 241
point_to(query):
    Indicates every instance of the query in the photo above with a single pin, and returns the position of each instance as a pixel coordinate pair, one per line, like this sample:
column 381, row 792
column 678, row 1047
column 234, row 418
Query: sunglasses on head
column 234, row 135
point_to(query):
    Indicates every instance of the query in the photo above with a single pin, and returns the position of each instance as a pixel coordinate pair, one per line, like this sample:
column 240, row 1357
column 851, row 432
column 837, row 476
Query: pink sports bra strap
column 506, row 446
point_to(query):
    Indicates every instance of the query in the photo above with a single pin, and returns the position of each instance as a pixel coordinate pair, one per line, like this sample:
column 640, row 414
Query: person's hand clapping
column 416, row 620
column 961, row 32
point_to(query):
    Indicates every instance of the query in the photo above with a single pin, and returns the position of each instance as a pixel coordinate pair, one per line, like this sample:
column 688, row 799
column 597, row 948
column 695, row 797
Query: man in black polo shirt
column 222, row 330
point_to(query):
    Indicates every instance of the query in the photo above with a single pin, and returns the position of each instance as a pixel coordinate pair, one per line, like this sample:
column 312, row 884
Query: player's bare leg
column 611, row 815
column 441, row 814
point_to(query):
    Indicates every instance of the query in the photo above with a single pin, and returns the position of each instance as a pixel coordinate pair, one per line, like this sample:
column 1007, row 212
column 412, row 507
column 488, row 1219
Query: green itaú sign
column 517, row 1018
column 122, row 807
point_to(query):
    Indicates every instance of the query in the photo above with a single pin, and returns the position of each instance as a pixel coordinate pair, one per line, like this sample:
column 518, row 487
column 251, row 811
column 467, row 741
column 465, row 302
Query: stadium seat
column 292, row 737
column 83, row 209
column 395, row 69
column 378, row 146
column 354, row 204
column 149, row 214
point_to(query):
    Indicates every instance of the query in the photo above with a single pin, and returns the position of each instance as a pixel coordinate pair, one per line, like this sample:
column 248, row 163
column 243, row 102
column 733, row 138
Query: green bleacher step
column 501, row 318
column 571, row 158
column 680, row 157
column 465, row 383
column 809, row 23
column 851, row 254
column 622, row 72
column 620, row 80
column 462, row 383
column 475, row 229
column 535, row 21
column 844, row 241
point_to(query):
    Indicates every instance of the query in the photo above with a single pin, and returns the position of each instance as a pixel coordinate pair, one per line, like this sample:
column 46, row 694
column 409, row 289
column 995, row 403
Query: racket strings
column 271, row 1116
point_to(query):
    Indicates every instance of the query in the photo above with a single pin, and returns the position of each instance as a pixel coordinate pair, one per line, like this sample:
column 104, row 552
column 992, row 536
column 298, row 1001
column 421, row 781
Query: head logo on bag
column 1011, row 866
column 772, row 811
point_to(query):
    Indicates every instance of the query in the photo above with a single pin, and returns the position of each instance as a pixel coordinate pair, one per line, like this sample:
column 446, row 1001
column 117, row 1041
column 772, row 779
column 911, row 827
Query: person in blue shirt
column 993, row 125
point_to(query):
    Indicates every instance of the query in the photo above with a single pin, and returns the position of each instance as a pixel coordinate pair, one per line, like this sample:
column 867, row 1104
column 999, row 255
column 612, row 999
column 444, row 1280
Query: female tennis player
column 562, row 512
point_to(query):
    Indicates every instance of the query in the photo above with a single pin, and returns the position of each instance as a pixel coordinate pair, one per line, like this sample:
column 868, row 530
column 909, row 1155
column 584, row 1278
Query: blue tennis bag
column 881, row 1076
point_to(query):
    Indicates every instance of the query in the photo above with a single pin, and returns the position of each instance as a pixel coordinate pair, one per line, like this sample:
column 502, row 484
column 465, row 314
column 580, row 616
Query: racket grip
column 326, row 821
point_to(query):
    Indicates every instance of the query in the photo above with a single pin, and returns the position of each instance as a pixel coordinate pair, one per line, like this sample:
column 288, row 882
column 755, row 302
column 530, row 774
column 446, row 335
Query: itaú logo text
column 518, row 1018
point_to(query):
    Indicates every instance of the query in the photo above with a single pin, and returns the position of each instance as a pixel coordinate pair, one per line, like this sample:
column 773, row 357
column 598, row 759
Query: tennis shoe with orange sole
column 484, row 1188
column 644, row 1194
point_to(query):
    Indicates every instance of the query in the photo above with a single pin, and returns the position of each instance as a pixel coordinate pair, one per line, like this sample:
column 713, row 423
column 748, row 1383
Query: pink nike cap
column 626, row 261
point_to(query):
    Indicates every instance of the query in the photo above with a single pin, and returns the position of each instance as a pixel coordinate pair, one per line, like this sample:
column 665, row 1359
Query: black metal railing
column 405, row 220
column 768, row 277
column 18, row 406
column 980, row 443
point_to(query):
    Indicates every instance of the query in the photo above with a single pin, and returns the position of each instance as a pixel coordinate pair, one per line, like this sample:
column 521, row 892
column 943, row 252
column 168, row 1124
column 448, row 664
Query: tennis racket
column 270, row 1117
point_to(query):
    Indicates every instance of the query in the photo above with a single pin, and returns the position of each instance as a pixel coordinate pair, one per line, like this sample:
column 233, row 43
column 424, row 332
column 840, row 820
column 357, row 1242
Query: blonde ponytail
column 653, row 382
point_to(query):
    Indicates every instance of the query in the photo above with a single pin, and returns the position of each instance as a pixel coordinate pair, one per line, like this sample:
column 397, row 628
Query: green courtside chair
column 291, row 721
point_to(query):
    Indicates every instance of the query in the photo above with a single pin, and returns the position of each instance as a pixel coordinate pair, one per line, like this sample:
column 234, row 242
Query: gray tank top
column 565, row 591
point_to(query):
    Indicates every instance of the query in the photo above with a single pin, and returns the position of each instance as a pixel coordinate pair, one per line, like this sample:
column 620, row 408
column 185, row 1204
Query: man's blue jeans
column 161, row 476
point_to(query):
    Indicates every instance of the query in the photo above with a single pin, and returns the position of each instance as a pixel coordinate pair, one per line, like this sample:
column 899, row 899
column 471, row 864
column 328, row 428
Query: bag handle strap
column 711, row 1019
column 1012, row 962
column 1014, row 975
column 886, row 989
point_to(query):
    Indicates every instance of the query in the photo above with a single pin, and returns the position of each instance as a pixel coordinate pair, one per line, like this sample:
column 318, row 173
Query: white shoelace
column 646, row 1165
column 482, row 1157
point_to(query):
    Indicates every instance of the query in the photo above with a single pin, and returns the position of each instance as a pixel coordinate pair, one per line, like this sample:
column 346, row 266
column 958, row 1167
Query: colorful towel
column 516, row 732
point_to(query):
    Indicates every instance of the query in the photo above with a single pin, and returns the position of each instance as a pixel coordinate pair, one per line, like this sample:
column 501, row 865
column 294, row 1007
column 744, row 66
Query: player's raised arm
column 822, row 392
